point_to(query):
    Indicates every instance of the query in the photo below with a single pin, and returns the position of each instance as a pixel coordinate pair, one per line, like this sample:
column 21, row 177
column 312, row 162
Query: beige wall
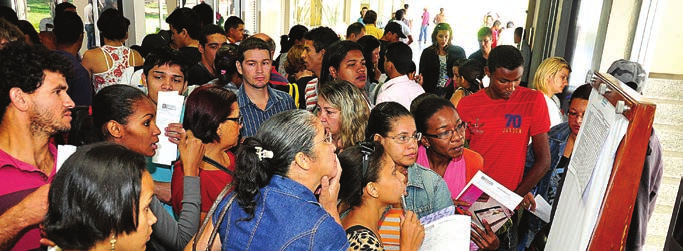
column 622, row 22
column 668, row 49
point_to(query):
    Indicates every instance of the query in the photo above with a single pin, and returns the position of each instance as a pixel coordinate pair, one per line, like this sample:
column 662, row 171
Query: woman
column 551, row 77
column 342, row 110
column 433, row 61
column 125, row 115
column 100, row 200
column 470, row 74
column 443, row 150
column 113, row 62
column 344, row 60
column 289, row 160
column 213, row 116
column 295, row 37
column 370, row 183
column 297, row 75
column 371, row 48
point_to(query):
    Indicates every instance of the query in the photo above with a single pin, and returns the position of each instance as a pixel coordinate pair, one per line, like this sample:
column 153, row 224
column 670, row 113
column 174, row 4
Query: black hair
column 416, row 102
column 61, row 8
column 186, row 18
column 205, row 13
column 454, row 62
column 334, row 56
column 113, row 25
column 226, row 56
column 95, row 193
column 209, row 30
column 322, row 37
column 114, row 102
column 206, row 108
column 426, row 109
column 251, row 43
column 497, row 22
column 506, row 56
column 519, row 31
column 22, row 66
column 472, row 71
column 354, row 28
column 400, row 54
column 484, row 32
column 285, row 134
column 370, row 17
column 28, row 29
column 369, row 43
column 164, row 56
column 399, row 14
column 582, row 92
column 405, row 6
column 9, row 15
column 295, row 33
column 82, row 131
column 68, row 28
column 353, row 180
column 232, row 22
column 381, row 118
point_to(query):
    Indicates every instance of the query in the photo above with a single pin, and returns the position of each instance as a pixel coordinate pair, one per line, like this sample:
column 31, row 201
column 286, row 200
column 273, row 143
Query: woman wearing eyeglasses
column 212, row 114
column 443, row 150
column 369, row 183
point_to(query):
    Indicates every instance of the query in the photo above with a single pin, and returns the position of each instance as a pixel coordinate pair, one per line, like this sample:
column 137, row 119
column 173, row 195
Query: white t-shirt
column 553, row 110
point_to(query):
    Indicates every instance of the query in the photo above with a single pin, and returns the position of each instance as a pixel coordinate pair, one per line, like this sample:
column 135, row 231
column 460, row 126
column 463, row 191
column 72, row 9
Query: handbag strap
column 220, row 198
column 216, row 164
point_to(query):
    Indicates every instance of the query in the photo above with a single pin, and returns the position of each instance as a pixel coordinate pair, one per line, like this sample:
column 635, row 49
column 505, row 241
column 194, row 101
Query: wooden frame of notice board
column 612, row 225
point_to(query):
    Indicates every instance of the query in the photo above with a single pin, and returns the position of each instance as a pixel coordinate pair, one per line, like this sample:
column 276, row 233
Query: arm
column 30, row 211
column 412, row 232
column 410, row 39
column 177, row 234
column 137, row 58
column 541, row 150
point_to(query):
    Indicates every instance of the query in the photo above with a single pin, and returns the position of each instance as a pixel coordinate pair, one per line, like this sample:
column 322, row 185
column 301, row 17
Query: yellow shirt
column 371, row 29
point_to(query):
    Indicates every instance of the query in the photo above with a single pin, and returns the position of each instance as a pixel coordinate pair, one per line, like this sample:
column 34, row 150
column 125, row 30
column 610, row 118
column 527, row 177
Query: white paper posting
column 448, row 233
column 543, row 209
column 169, row 109
column 63, row 153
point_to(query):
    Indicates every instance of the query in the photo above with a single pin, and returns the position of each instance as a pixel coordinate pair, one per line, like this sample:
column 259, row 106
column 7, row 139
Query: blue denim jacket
column 287, row 217
column 427, row 191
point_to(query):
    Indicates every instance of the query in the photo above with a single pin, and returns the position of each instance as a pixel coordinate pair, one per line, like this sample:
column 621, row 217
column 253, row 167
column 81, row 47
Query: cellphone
column 403, row 204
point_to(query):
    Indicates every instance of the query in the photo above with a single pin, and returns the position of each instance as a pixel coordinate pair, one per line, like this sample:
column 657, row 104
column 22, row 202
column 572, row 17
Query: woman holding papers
column 368, row 184
column 443, row 151
column 125, row 115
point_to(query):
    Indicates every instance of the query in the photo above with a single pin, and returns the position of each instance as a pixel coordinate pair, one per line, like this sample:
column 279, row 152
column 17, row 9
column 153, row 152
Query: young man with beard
column 35, row 107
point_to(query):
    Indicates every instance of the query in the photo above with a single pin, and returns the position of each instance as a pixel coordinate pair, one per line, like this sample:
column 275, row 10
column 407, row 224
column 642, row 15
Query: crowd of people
column 332, row 145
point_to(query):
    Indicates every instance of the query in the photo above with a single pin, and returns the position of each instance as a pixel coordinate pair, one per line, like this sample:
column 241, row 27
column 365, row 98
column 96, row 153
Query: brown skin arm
column 541, row 150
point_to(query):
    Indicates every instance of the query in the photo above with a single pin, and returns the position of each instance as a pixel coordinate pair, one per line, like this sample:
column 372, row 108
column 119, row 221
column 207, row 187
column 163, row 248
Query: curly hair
column 350, row 102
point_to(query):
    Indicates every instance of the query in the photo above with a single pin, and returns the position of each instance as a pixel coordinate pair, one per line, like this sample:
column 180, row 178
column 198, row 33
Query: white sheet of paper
column 495, row 190
column 543, row 209
column 63, row 153
column 169, row 109
column 448, row 233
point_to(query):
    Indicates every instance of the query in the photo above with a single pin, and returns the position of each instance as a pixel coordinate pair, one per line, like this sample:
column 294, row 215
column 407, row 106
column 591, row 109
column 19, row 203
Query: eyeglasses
column 366, row 148
column 575, row 115
column 239, row 120
column 460, row 128
column 403, row 138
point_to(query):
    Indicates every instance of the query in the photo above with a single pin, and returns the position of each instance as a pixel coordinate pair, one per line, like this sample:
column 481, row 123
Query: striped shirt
column 312, row 95
column 390, row 229
column 278, row 101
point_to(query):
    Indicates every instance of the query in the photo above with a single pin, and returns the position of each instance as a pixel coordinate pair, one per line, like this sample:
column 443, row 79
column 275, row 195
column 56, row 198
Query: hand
column 419, row 79
column 191, row 152
column 528, row 202
column 460, row 206
column 412, row 232
column 486, row 239
column 329, row 191
column 174, row 132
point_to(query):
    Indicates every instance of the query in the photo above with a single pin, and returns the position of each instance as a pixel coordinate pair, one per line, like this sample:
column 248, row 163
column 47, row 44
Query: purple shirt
column 19, row 179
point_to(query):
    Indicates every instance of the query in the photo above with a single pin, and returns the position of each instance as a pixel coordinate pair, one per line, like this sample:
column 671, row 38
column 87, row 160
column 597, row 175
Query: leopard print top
column 362, row 238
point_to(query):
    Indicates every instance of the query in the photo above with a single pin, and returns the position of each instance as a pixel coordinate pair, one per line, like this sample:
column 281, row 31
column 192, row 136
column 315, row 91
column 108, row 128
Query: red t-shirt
column 212, row 183
column 500, row 130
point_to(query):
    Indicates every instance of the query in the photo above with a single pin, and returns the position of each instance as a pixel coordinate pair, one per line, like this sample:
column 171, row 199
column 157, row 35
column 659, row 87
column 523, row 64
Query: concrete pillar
column 135, row 11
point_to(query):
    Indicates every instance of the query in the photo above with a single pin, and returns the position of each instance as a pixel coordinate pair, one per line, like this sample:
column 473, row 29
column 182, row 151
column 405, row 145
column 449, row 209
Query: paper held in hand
column 490, row 201
column 169, row 109
column 445, row 230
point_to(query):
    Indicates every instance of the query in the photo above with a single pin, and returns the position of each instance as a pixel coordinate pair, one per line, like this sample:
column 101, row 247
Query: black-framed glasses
column 366, row 148
column 239, row 120
column 404, row 138
column 460, row 129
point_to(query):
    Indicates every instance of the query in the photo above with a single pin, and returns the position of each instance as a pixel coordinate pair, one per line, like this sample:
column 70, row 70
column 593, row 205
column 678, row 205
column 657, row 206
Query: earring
column 113, row 242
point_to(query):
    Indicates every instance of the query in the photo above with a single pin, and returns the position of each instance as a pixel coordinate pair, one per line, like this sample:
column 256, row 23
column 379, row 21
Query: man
column 485, row 38
column 185, row 32
column 35, row 107
column 526, row 53
column 211, row 39
column 315, row 42
column 399, row 88
column 47, row 38
column 399, row 19
column 234, row 29
column 275, row 77
column 256, row 99
column 69, row 38
column 393, row 33
column 370, row 21
column 89, row 24
column 441, row 17
column 355, row 31
column 407, row 19
column 362, row 14
column 424, row 28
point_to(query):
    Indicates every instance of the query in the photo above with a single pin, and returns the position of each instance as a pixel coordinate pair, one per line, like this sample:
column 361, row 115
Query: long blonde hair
column 349, row 100
column 547, row 70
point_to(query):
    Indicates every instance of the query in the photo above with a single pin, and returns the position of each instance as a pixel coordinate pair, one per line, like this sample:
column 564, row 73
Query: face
column 213, row 42
column 402, row 154
column 50, row 110
column 141, row 133
column 485, row 44
column 443, row 121
column 442, row 37
column 375, row 56
column 324, row 158
column 459, row 81
column 236, row 34
column 178, row 37
column 255, row 68
column 312, row 59
column 164, row 78
column 391, row 183
column 138, row 240
column 329, row 116
column 559, row 81
column 352, row 68
column 575, row 115
column 229, row 130
column 503, row 82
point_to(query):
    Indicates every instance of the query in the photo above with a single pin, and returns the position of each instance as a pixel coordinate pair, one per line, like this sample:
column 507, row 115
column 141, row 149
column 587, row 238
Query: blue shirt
column 278, row 101
column 287, row 217
column 427, row 191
